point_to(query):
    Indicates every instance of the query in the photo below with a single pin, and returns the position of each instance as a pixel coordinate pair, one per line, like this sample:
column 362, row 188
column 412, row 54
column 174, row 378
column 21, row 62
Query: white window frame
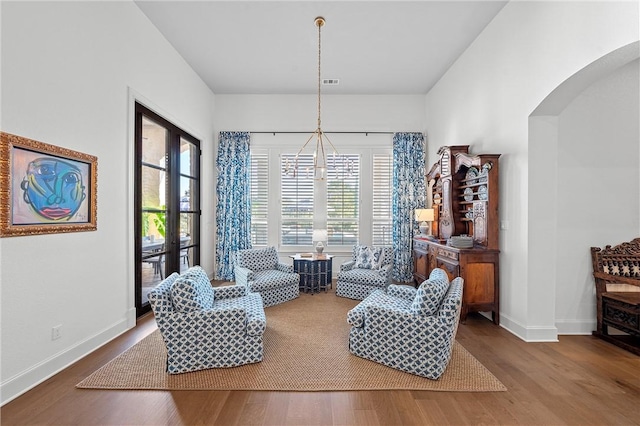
column 364, row 145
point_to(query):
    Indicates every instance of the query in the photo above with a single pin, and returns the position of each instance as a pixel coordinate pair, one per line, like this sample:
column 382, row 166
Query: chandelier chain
column 319, row 24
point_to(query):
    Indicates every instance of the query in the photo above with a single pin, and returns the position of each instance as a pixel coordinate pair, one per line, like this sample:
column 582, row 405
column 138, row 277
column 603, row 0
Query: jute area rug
column 306, row 349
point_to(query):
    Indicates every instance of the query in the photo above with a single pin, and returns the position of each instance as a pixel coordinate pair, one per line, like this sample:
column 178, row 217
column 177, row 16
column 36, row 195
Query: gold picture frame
column 45, row 189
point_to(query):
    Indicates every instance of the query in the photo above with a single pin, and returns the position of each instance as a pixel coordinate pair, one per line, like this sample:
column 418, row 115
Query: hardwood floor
column 580, row 380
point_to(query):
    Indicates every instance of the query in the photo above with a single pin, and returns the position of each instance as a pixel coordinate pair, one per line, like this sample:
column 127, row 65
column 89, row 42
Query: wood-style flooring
column 579, row 380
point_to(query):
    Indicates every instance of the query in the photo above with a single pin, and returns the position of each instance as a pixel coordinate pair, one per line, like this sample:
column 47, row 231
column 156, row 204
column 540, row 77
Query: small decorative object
column 460, row 241
column 468, row 194
column 423, row 216
column 45, row 189
column 320, row 236
column 482, row 192
column 472, row 175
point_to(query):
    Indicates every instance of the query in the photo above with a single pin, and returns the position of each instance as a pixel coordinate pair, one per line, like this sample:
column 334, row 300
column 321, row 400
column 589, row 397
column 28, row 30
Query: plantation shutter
column 296, row 199
column 343, row 200
column 259, row 198
column 381, row 220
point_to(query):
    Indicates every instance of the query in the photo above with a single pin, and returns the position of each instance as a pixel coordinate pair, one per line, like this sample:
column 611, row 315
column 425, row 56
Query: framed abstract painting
column 45, row 189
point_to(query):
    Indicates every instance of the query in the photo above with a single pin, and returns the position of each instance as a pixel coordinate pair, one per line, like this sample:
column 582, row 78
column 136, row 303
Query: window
column 296, row 199
column 353, row 203
column 381, row 211
column 343, row 200
column 259, row 198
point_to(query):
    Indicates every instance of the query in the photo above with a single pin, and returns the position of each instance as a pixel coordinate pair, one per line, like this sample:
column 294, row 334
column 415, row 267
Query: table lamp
column 423, row 216
column 319, row 235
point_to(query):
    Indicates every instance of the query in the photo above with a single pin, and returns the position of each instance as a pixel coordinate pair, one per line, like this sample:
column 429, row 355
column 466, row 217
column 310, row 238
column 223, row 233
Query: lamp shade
column 424, row 215
column 320, row 235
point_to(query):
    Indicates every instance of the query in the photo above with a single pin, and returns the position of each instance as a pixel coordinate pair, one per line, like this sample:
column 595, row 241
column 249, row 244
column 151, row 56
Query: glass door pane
column 189, row 202
column 154, row 212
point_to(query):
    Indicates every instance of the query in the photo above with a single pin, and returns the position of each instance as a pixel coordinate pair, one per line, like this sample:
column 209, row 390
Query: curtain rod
column 307, row 133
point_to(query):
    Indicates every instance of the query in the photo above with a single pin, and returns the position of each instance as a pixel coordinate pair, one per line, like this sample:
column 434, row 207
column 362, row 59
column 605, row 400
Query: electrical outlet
column 56, row 332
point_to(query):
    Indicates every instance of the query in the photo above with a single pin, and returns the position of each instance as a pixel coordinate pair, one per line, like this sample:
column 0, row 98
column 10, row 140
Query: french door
column 167, row 202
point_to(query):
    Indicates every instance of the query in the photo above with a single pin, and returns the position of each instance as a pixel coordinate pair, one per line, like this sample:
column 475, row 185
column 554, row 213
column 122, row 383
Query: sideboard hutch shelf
column 464, row 196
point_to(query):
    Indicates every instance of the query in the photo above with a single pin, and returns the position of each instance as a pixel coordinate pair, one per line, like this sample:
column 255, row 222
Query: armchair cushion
column 272, row 279
column 189, row 295
column 429, row 296
column 368, row 257
column 406, row 292
column 198, row 274
column 379, row 299
column 230, row 292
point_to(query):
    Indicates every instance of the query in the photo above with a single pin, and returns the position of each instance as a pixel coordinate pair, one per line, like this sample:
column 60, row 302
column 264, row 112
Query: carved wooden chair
column 616, row 271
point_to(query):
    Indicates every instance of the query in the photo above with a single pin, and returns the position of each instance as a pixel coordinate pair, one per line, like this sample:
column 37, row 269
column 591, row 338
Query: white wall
column 598, row 187
column 343, row 113
column 69, row 70
column 485, row 100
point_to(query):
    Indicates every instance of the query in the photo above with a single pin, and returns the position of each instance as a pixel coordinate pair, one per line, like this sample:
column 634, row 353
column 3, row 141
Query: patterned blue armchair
column 369, row 269
column 204, row 326
column 262, row 272
column 409, row 329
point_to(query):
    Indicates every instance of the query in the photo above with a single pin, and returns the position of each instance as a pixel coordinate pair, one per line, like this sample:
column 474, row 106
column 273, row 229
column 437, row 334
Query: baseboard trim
column 576, row 327
column 28, row 379
column 529, row 334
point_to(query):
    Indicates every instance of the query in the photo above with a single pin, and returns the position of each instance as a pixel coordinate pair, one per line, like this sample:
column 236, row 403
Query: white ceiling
column 270, row 47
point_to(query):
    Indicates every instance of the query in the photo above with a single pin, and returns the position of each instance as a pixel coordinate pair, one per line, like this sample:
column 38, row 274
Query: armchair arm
column 405, row 292
column 230, row 291
column 284, row 267
column 347, row 266
column 243, row 275
column 385, row 271
column 355, row 316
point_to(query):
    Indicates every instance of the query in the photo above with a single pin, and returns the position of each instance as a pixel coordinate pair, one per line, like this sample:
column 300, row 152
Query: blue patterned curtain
column 233, row 215
column 409, row 193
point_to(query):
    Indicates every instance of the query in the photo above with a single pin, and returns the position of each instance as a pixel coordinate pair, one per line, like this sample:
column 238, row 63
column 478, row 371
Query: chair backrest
column 258, row 259
column 160, row 296
column 387, row 254
column 451, row 305
column 610, row 262
column 623, row 259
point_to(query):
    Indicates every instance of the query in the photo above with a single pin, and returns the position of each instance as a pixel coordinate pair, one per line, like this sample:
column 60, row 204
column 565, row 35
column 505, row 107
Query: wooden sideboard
column 479, row 267
column 463, row 191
